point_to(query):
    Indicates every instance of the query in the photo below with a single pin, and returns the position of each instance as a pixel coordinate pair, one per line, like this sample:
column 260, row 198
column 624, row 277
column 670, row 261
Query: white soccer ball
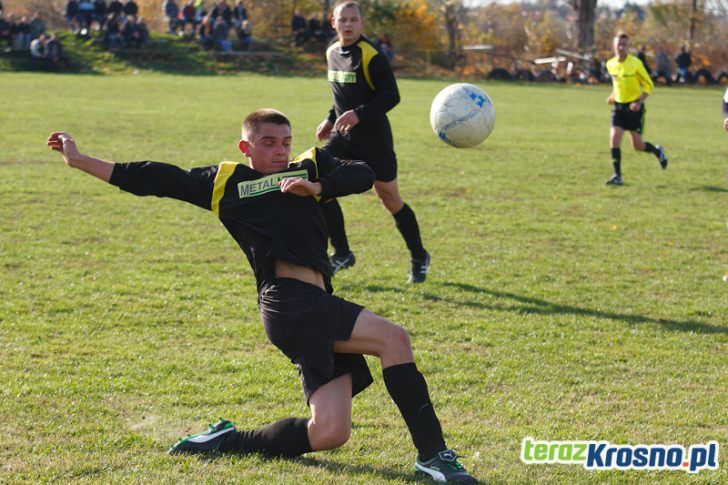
column 462, row 115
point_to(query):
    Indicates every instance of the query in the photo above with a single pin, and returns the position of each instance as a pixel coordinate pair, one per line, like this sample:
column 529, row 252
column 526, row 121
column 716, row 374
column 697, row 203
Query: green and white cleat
column 204, row 442
column 445, row 468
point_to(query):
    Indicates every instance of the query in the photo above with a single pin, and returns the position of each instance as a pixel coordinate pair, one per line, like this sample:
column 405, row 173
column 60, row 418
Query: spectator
column 189, row 17
column 204, row 33
column 131, row 8
column 100, row 10
column 385, row 45
column 220, row 35
column 245, row 35
column 171, row 11
column 239, row 15
column 299, row 28
column 86, row 15
column 20, row 34
column 642, row 56
column 664, row 67
column 115, row 7
column 131, row 33
column 72, row 15
column 112, row 34
column 5, row 32
column 683, row 61
column 37, row 47
column 222, row 11
column 315, row 30
column 53, row 51
column 1, row 9
column 37, row 26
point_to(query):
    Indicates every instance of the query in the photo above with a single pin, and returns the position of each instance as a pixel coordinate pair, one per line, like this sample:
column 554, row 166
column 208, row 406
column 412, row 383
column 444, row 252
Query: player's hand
column 635, row 106
column 63, row 143
column 299, row 186
column 610, row 99
column 347, row 121
column 323, row 130
column 725, row 124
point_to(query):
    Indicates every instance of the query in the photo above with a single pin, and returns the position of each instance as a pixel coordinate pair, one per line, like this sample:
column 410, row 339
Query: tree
column 584, row 10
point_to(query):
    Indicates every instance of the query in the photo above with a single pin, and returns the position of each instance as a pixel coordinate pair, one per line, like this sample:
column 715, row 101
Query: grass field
column 556, row 307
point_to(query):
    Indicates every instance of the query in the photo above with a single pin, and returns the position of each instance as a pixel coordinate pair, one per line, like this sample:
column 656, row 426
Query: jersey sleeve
column 342, row 177
column 386, row 93
column 164, row 180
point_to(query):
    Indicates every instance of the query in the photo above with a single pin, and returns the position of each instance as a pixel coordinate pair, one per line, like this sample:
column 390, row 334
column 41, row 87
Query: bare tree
column 584, row 10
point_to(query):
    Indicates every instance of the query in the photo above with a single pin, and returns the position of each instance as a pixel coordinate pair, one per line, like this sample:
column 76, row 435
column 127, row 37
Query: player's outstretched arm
column 64, row 144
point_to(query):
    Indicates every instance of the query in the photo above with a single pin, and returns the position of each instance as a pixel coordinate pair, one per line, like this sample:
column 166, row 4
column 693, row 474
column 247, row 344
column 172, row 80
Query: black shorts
column 303, row 321
column 628, row 120
column 370, row 142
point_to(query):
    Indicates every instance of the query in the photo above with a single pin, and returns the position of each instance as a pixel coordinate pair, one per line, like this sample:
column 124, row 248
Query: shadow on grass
column 542, row 307
column 711, row 188
column 537, row 306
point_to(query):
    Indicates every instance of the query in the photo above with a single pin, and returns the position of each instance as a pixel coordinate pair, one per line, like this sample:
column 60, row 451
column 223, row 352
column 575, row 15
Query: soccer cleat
column 342, row 262
column 419, row 269
column 615, row 180
column 207, row 441
column 444, row 467
column 661, row 156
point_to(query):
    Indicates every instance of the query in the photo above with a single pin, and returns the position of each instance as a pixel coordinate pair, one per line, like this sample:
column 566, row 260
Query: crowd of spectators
column 20, row 33
column 220, row 27
column 311, row 29
column 119, row 23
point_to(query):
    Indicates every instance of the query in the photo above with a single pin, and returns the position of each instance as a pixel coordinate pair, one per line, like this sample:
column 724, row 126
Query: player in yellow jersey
column 630, row 87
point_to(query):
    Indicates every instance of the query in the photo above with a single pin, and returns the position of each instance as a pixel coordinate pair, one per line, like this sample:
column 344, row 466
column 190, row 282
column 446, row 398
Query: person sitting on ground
column 100, row 11
column 299, row 28
column 37, row 47
column 171, row 11
column 221, row 35
column 112, row 32
column 53, row 51
column 245, row 35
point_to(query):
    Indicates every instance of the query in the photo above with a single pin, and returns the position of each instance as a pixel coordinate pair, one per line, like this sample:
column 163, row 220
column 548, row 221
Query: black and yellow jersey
column 266, row 223
column 629, row 79
column 361, row 79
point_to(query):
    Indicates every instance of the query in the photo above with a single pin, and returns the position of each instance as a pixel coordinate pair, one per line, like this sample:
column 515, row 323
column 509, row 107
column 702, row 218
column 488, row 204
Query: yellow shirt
column 629, row 79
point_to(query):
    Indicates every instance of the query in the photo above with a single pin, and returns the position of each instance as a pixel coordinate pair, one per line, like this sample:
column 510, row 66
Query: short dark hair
column 258, row 117
column 621, row 35
column 347, row 3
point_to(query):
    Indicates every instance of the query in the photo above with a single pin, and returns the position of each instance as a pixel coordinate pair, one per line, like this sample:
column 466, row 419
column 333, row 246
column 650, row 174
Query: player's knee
column 398, row 340
column 327, row 434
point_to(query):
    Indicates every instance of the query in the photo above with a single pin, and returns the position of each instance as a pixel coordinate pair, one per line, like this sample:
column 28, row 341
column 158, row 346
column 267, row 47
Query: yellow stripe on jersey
column 224, row 172
column 309, row 154
column 629, row 79
column 367, row 54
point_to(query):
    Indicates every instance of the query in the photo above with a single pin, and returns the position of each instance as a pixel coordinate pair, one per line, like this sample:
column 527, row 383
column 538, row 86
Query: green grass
column 556, row 307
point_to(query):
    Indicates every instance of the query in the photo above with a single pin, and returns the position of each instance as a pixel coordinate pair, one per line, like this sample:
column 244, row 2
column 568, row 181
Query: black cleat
column 342, row 262
column 204, row 442
column 661, row 156
column 615, row 180
column 444, row 467
column 419, row 269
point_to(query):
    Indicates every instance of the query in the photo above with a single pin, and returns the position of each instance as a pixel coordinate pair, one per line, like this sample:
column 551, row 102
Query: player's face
column 621, row 47
column 269, row 150
column 348, row 24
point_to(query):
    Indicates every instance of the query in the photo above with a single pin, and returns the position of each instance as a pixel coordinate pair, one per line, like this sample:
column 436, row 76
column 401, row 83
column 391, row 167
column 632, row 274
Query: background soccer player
column 725, row 110
column 272, row 210
column 357, row 128
column 630, row 87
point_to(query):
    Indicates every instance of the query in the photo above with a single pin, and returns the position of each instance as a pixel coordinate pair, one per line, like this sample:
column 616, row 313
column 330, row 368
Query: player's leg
column 615, row 142
column 375, row 335
column 645, row 146
column 406, row 221
column 330, row 423
column 343, row 257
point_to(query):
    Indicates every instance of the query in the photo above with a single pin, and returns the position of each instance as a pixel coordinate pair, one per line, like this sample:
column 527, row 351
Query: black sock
column 650, row 148
column 287, row 437
column 335, row 222
column 409, row 392
column 617, row 161
column 410, row 230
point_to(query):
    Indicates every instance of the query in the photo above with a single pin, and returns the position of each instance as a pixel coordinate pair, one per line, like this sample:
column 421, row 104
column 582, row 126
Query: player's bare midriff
column 284, row 269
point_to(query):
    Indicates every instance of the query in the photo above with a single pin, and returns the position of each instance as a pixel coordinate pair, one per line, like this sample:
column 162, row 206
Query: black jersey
column 361, row 79
column 266, row 223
